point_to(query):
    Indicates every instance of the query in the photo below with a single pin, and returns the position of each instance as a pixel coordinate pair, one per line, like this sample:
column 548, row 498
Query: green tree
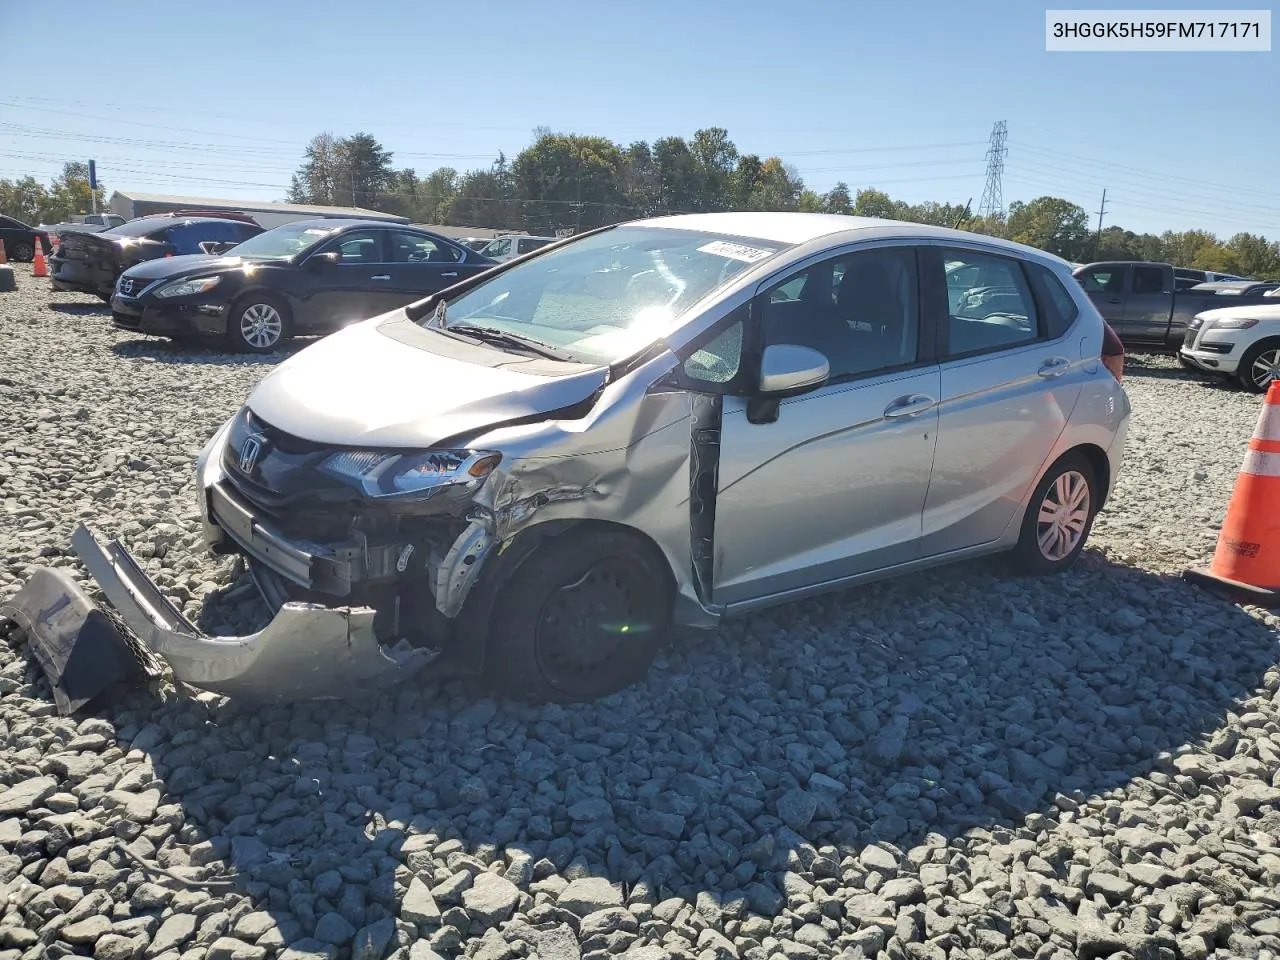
column 870, row 202
column 26, row 200
column 1182, row 249
column 437, row 194
column 568, row 180
column 837, row 199
column 69, row 194
column 1052, row 224
column 717, row 158
column 1254, row 256
column 679, row 176
column 365, row 171
column 317, row 178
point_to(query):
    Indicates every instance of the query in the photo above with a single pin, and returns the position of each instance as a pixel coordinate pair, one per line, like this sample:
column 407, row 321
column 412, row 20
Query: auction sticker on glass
column 1158, row 31
column 735, row 251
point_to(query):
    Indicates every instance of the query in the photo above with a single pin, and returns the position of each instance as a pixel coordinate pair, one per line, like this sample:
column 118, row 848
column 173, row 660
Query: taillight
column 1112, row 352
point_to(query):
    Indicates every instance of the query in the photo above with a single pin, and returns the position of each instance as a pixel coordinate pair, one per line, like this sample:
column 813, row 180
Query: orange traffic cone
column 39, row 268
column 1246, row 564
column 3, row 257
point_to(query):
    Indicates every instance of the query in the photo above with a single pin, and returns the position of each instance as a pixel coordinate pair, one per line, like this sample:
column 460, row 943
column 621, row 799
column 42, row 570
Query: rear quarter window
column 1057, row 308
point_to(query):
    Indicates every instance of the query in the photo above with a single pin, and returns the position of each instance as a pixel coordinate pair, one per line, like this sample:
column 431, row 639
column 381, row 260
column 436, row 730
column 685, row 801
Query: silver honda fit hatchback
column 538, row 471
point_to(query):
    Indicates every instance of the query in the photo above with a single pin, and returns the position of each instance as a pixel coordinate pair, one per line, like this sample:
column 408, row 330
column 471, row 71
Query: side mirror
column 323, row 261
column 787, row 370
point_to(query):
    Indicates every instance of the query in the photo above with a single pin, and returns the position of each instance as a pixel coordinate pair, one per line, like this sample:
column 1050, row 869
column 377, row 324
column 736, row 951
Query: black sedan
column 92, row 262
column 306, row 277
column 20, row 240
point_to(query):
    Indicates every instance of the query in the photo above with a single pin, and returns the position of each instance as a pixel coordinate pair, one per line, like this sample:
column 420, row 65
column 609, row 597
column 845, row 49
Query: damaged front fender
column 306, row 652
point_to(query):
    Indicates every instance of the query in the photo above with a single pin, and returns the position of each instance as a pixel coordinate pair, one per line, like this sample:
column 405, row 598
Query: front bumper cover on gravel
column 306, row 652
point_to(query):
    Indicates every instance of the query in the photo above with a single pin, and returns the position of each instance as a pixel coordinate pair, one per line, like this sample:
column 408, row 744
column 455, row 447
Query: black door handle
column 1113, row 299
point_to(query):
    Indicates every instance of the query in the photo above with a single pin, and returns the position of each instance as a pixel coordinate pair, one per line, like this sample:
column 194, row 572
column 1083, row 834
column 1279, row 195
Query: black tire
column 23, row 251
column 1029, row 556
column 581, row 617
column 243, row 314
column 1244, row 372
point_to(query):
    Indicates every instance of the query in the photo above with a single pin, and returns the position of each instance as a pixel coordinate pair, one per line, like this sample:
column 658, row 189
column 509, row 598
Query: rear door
column 1105, row 285
column 1147, row 304
column 357, row 287
column 422, row 265
column 1010, row 377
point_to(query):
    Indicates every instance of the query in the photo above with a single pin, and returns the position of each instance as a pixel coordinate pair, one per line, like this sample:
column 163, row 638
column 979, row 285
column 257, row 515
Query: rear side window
column 1148, row 280
column 1057, row 310
column 989, row 304
column 1103, row 280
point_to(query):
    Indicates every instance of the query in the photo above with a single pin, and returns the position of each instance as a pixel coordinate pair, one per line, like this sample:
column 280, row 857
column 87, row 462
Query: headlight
column 1242, row 323
column 401, row 474
column 188, row 288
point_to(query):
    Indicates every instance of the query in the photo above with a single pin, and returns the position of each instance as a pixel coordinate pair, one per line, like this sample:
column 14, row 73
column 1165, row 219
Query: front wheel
column 23, row 252
column 1059, row 517
column 581, row 617
column 1259, row 366
column 258, row 324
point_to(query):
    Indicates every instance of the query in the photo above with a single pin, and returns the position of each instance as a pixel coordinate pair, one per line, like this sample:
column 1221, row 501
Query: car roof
column 798, row 228
column 344, row 223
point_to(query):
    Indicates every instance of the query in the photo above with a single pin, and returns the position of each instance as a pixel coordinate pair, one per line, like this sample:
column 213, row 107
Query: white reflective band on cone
column 1261, row 464
column 1268, row 423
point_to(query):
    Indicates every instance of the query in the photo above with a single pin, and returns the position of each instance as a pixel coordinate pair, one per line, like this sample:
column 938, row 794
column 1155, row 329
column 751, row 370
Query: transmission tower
column 992, row 196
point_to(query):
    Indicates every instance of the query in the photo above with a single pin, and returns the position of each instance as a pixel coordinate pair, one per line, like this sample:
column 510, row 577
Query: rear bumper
column 181, row 319
column 306, row 652
column 78, row 276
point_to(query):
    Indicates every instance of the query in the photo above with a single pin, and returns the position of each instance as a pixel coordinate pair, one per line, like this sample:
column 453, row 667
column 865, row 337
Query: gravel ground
column 963, row 764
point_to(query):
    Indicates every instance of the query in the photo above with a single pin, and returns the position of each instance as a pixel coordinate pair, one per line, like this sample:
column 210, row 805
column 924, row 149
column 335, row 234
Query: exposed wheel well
column 473, row 623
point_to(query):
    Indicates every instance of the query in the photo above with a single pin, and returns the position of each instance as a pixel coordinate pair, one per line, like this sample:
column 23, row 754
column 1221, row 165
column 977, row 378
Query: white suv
column 1238, row 342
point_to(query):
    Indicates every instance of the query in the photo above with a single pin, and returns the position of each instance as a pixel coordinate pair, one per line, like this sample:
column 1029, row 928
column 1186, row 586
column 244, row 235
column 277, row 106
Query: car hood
column 1257, row 312
column 386, row 382
column 188, row 265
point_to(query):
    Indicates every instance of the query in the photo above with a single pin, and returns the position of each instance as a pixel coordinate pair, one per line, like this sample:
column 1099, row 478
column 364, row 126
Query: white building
column 268, row 213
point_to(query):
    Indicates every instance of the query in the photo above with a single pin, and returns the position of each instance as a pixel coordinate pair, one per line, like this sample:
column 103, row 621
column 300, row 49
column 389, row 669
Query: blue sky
column 901, row 96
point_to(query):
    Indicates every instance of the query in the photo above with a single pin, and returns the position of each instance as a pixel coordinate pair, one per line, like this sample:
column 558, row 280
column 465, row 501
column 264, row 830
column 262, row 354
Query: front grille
column 1189, row 340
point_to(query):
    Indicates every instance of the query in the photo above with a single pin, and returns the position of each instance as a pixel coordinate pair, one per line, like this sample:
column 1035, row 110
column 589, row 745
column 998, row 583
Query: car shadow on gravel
column 95, row 309
column 202, row 350
column 755, row 763
column 1163, row 367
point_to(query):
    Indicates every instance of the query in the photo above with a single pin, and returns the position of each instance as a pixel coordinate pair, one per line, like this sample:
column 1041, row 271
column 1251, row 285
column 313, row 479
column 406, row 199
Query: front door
column 835, row 485
column 1011, row 375
column 355, row 288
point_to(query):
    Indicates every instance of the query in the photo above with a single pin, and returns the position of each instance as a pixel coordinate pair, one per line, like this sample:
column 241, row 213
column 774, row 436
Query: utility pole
column 1097, row 241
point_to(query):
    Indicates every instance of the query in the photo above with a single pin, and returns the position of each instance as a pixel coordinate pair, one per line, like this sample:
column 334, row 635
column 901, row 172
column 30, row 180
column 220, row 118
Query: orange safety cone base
column 1233, row 589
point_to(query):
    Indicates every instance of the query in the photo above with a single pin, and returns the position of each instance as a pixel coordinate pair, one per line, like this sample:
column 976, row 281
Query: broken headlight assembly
column 387, row 475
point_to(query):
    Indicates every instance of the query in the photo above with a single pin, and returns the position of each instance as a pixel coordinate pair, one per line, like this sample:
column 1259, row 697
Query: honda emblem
column 249, row 451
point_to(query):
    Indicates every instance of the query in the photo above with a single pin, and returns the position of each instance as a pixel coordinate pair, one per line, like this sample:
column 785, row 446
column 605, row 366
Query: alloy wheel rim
column 1266, row 368
column 260, row 325
column 1064, row 513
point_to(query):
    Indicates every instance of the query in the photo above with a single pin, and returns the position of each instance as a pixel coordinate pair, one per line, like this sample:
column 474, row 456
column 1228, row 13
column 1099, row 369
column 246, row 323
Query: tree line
column 570, row 182
column 564, row 182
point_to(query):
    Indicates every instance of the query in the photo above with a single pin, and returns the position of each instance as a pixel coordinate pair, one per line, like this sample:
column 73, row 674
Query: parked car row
column 540, row 468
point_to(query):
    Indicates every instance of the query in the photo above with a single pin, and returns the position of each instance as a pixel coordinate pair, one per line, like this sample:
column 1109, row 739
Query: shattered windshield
column 602, row 298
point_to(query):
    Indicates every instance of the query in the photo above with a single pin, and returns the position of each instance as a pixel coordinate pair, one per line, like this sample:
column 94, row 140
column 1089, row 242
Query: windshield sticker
column 736, row 251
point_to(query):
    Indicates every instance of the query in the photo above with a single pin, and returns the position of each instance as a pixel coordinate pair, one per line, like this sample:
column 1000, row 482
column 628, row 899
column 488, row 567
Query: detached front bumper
column 306, row 652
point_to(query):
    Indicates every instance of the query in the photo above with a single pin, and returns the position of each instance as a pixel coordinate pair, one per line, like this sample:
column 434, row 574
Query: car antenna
column 964, row 215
